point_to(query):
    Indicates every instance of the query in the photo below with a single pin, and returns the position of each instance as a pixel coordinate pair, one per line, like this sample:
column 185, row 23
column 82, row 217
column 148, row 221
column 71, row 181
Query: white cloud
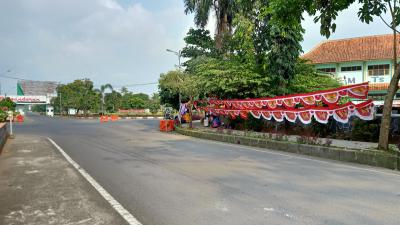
column 111, row 4
column 112, row 43
column 65, row 40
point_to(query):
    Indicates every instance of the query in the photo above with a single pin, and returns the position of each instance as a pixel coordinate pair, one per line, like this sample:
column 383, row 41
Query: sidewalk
column 38, row 186
column 360, row 145
column 334, row 149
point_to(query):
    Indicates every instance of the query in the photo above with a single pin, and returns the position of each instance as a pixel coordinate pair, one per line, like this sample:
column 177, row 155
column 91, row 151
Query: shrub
column 3, row 116
column 281, row 137
column 322, row 130
column 7, row 102
column 365, row 130
column 310, row 140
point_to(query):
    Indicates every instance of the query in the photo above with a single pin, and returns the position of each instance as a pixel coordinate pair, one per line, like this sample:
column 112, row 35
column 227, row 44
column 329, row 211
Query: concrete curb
column 367, row 157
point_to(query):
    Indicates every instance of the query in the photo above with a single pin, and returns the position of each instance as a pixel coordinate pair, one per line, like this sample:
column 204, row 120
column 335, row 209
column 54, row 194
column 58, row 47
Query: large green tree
column 134, row 101
column 228, row 78
column 168, row 97
column 306, row 79
column 79, row 95
column 184, row 83
column 198, row 43
column 275, row 38
column 113, row 101
column 224, row 10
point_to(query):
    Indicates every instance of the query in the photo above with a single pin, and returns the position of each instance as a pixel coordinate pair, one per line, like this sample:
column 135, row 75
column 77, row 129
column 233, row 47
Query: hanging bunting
column 308, row 100
column 264, row 102
column 365, row 111
column 289, row 102
column 291, row 116
column 272, row 104
column 256, row 114
column 258, row 104
column 359, row 91
column 330, row 97
column 266, row 115
column 278, row 116
column 305, row 117
column 232, row 114
column 340, row 113
column 244, row 115
column 284, row 107
column 322, row 116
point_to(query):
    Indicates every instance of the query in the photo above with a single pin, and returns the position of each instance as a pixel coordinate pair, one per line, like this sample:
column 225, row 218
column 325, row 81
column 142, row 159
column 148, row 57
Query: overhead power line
column 10, row 77
column 139, row 84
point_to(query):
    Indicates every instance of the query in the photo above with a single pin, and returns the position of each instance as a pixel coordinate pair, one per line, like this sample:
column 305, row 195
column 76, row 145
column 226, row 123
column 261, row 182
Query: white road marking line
column 266, row 150
column 31, row 171
column 114, row 203
column 269, row 209
column 24, row 150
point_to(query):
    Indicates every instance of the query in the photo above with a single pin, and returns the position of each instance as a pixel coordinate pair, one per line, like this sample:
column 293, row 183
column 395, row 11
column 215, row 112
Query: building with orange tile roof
column 357, row 60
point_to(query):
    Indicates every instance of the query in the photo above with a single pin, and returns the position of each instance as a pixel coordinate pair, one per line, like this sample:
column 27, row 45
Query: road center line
column 114, row 203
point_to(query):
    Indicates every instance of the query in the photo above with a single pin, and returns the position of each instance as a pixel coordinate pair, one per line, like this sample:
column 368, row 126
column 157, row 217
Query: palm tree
column 224, row 11
column 102, row 91
column 124, row 90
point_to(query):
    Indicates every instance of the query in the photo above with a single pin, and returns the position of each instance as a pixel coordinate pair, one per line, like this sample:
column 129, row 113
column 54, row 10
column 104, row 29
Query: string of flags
column 298, row 106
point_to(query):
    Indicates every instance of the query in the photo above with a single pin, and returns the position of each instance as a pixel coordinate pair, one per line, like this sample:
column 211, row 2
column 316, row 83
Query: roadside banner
column 320, row 105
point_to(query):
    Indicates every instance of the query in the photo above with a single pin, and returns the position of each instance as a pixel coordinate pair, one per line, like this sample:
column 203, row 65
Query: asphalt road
column 170, row 179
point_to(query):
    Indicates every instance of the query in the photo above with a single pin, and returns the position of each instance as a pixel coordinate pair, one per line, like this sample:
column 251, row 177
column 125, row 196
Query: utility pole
column 60, row 105
column 5, row 72
column 179, row 54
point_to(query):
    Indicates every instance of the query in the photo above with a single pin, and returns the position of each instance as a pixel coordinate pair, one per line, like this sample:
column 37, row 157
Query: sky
column 121, row 42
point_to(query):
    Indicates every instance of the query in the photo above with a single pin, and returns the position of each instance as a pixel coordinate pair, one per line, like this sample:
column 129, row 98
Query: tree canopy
column 224, row 11
column 82, row 96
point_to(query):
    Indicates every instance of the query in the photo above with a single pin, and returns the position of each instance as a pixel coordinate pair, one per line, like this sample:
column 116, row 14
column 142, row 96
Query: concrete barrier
column 3, row 135
column 368, row 157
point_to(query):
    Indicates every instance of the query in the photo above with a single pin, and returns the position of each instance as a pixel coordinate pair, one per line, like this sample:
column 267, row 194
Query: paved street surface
column 175, row 180
column 38, row 187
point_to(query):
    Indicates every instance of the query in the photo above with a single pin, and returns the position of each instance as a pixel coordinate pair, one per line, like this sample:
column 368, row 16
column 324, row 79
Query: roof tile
column 366, row 48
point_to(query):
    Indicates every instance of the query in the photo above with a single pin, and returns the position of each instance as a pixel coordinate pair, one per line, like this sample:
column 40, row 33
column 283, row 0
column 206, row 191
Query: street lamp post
column 179, row 54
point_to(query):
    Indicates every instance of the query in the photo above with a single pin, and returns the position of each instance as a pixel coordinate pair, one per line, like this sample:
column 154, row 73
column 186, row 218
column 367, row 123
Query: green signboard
column 20, row 91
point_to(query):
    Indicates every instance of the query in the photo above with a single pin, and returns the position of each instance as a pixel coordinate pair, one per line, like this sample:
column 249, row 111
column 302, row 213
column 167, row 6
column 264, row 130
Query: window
column 327, row 70
column 350, row 68
column 378, row 70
